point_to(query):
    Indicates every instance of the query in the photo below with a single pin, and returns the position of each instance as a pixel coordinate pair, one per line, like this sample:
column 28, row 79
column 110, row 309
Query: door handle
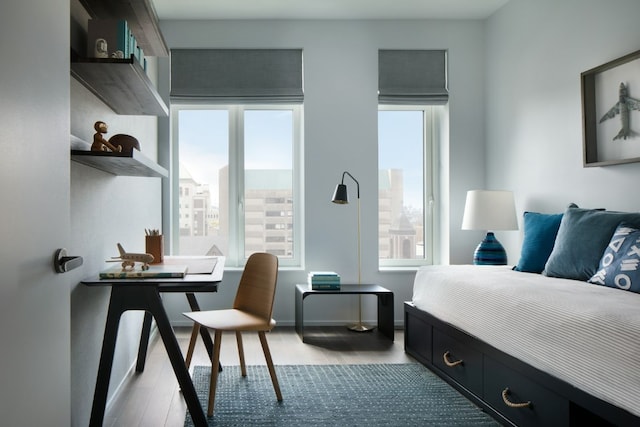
column 63, row 263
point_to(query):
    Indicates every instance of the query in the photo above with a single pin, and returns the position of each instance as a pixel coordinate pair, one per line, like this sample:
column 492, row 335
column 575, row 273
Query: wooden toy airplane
column 129, row 259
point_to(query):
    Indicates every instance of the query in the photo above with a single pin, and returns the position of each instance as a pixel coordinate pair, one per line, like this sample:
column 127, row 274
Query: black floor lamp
column 340, row 197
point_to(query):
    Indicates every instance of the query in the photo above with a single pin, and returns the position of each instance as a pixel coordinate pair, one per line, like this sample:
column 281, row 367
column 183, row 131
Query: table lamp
column 341, row 197
column 489, row 210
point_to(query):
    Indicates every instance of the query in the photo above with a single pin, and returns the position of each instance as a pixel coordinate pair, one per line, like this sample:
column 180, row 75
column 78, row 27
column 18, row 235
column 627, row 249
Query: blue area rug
column 336, row 395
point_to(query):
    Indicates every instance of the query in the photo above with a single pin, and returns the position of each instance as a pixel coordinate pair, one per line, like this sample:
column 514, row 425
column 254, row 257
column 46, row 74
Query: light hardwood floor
column 153, row 399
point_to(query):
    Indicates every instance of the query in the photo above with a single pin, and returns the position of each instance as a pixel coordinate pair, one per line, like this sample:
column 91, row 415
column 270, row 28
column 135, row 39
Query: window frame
column 431, row 119
column 236, row 239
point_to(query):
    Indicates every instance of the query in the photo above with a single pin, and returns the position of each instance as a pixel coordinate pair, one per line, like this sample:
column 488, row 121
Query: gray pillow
column 582, row 238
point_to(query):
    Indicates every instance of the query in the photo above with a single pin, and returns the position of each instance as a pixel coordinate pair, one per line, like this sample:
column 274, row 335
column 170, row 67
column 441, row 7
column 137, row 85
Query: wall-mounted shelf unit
column 141, row 17
column 124, row 164
column 122, row 84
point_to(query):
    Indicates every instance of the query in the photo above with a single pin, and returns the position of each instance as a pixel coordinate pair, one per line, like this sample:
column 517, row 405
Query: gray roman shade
column 237, row 76
column 412, row 77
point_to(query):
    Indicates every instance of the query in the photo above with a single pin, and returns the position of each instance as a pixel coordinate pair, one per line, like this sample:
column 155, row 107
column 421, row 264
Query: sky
column 204, row 136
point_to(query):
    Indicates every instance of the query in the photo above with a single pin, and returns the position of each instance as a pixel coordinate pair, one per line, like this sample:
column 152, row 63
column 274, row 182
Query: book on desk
column 323, row 280
column 157, row 271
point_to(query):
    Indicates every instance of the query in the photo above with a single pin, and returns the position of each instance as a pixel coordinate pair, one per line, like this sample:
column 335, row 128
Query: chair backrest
column 257, row 288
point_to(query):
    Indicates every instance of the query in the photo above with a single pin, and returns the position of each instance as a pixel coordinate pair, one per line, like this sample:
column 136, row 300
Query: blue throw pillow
column 540, row 232
column 582, row 238
column 618, row 267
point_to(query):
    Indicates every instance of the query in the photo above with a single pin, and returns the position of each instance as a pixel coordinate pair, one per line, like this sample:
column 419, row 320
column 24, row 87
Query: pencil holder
column 154, row 246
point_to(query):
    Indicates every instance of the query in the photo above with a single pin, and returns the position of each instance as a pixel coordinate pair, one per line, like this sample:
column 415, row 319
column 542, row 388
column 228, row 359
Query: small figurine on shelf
column 99, row 142
column 100, row 50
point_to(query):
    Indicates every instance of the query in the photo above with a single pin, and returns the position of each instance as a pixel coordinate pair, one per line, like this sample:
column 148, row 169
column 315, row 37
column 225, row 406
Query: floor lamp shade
column 489, row 210
column 340, row 196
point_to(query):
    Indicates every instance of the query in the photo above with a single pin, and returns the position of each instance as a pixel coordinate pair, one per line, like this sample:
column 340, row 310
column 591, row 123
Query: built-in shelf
column 122, row 84
column 141, row 17
column 125, row 164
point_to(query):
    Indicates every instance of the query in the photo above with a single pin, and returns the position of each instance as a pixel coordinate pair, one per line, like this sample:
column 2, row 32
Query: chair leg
column 272, row 371
column 215, row 367
column 243, row 366
column 192, row 343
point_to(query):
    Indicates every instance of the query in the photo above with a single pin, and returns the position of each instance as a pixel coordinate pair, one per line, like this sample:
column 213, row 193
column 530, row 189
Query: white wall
column 105, row 209
column 536, row 52
column 340, row 116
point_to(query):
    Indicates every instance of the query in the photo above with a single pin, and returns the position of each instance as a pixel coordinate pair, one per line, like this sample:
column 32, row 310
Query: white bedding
column 584, row 334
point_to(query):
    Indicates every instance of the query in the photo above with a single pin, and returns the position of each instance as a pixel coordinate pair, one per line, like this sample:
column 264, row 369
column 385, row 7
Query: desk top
column 188, row 283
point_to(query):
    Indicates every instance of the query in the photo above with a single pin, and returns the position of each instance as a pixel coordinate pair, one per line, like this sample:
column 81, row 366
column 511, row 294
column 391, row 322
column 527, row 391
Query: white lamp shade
column 489, row 210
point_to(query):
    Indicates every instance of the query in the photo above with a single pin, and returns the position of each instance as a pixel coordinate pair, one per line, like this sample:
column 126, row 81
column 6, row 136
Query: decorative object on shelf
column 126, row 142
column 605, row 94
column 116, row 34
column 341, row 197
column 154, row 245
column 489, row 210
column 99, row 142
column 101, row 49
column 129, row 259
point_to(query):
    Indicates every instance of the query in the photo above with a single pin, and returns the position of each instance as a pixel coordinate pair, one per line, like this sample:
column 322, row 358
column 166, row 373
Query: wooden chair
column 251, row 311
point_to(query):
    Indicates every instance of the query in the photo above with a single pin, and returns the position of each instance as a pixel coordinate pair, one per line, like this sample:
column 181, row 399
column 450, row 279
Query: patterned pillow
column 618, row 267
column 539, row 235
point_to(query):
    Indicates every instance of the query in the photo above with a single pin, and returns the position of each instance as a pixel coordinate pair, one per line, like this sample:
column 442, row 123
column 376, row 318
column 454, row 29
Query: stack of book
column 324, row 280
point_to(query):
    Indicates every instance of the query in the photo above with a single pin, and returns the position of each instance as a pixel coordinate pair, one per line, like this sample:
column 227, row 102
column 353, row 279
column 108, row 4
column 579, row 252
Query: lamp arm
column 355, row 180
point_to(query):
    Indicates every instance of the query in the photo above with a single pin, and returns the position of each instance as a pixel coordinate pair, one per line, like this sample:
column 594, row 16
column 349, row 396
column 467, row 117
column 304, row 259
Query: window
column 239, row 180
column 406, row 184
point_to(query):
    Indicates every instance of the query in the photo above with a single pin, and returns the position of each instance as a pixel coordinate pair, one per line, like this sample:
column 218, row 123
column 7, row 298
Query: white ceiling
column 326, row 9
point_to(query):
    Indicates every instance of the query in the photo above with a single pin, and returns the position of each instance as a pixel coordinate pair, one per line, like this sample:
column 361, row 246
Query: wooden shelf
column 141, row 17
column 124, row 164
column 122, row 84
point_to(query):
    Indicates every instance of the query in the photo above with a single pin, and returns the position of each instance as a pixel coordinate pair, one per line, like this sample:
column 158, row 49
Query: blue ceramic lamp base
column 490, row 252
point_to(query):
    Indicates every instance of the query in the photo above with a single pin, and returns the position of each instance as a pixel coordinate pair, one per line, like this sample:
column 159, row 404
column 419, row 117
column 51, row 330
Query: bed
column 531, row 348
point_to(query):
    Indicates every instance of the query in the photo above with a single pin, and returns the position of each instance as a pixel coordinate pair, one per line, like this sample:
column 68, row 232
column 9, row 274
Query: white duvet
column 584, row 334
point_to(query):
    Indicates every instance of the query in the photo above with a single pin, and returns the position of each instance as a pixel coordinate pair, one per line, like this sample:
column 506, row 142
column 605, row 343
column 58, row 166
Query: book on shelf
column 155, row 271
column 324, row 286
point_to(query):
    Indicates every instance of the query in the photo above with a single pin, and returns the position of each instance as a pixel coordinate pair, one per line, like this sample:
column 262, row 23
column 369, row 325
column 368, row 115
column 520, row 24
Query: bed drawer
column 458, row 360
column 522, row 400
column 417, row 337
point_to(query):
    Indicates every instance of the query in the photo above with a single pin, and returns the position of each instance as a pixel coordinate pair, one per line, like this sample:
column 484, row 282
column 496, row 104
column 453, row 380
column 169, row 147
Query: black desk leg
column 141, row 298
column 175, row 356
column 144, row 342
column 114, row 312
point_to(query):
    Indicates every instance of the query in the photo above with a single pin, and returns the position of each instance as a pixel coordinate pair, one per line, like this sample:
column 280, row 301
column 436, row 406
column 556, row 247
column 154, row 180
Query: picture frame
column 610, row 138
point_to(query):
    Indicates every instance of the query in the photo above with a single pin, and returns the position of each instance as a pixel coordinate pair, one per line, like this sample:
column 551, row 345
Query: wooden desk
column 144, row 294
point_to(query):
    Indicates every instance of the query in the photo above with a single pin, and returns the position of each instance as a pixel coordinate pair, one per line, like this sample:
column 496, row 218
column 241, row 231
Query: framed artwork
column 611, row 112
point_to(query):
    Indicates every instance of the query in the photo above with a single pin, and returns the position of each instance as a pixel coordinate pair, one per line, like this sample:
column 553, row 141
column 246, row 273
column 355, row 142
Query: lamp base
column 490, row 252
column 359, row 327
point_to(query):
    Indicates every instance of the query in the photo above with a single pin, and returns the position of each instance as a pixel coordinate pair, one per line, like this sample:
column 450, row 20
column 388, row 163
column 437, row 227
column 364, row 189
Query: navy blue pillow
column 618, row 267
column 582, row 238
column 540, row 232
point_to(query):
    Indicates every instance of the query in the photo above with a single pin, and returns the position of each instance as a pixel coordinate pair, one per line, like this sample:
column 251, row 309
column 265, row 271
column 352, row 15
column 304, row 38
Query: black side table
column 385, row 304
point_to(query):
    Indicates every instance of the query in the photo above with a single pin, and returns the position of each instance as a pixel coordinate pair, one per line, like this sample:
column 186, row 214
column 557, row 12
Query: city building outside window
column 239, row 177
column 406, row 183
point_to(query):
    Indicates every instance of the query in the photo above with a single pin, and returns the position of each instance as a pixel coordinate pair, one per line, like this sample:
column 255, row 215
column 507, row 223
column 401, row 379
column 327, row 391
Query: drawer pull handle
column 448, row 362
column 510, row 404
